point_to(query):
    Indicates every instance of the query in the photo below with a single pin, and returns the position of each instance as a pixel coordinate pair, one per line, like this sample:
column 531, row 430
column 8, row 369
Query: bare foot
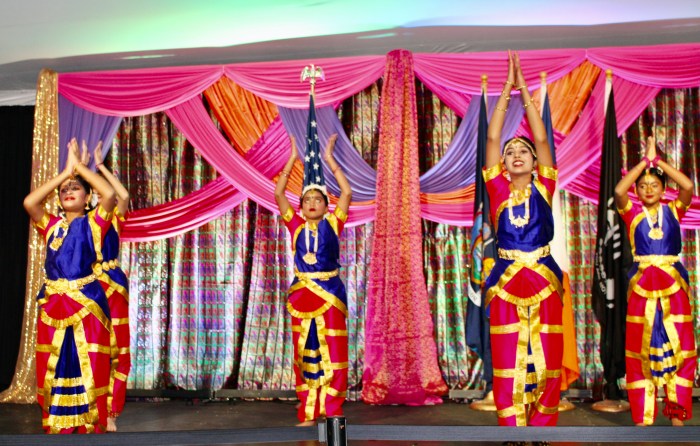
column 307, row 423
column 111, row 424
column 676, row 422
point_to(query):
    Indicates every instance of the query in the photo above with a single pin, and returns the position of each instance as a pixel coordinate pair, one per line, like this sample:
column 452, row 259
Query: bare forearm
column 685, row 184
column 495, row 129
column 100, row 185
column 624, row 185
column 33, row 203
column 539, row 133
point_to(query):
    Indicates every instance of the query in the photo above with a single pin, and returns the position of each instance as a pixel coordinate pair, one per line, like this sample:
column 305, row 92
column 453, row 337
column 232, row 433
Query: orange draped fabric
column 569, row 362
column 568, row 96
column 243, row 116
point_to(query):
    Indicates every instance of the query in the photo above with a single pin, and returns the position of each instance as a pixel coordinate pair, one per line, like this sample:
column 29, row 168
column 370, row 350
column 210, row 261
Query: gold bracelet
column 521, row 87
column 284, row 173
column 529, row 103
column 504, row 110
column 508, row 82
column 503, row 93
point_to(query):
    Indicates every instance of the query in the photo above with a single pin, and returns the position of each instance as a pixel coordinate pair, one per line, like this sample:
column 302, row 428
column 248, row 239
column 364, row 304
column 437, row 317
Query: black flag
column 612, row 255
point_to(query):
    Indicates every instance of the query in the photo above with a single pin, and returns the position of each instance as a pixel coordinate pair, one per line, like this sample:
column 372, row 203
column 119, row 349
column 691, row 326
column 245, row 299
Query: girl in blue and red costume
column 317, row 299
column 660, row 340
column 73, row 331
column 524, row 288
column 116, row 286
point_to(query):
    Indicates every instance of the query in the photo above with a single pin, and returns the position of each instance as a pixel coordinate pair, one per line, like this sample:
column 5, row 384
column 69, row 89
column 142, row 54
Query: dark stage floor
column 176, row 419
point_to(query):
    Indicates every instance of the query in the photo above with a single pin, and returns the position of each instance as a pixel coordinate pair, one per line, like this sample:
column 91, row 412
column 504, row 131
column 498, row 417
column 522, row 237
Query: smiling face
column 313, row 205
column 518, row 159
column 649, row 189
column 73, row 195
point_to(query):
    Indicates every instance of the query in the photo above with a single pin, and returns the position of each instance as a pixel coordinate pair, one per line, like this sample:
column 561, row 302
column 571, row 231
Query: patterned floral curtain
column 208, row 307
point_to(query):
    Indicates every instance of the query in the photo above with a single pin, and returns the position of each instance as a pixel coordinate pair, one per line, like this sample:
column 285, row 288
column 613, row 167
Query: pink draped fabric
column 400, row 353
column 136, row 92
column 194, row 122
column 455, row 77
column 185, row 214
column 639, row 73
column 581, row 149
column 662, row 66
column 279, row 82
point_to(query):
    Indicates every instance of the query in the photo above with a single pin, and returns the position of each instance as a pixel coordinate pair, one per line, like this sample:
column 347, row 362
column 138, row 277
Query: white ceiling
column 78, row 35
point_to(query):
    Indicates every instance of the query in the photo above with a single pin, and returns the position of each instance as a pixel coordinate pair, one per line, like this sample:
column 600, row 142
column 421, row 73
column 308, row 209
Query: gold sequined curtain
column 44, row 167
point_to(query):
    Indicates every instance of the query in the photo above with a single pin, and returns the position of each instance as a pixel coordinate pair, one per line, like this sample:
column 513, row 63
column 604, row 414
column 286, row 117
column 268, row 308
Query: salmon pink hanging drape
column 400, row 353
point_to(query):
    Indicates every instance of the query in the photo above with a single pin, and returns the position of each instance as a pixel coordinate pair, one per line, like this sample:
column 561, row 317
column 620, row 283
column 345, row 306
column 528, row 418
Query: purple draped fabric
column 83, row 125
column 361, row 176
column 456, row 169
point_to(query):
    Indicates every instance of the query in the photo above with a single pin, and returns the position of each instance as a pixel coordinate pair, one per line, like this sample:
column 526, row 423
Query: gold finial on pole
column 312, row 72
column 608, row 73
column 484, row 83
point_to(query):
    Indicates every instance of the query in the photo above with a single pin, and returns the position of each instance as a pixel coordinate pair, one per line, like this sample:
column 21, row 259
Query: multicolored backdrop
column 208, row 258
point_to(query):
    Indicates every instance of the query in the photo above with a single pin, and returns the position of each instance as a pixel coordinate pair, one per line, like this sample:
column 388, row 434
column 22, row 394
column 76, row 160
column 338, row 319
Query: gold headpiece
column 524, row 142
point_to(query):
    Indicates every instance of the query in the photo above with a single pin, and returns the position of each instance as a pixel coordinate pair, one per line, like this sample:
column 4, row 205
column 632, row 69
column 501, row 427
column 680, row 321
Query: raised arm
column 345, row 189
column 281, row 186
column 119, row 189
column 685, row 184
column 539, row 133
column 623, row 186
column 99, row 184
column 33, row 203
column 493, row 135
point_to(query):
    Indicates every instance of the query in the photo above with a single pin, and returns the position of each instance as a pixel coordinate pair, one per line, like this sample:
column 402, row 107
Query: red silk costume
column 116, row 286
column 318, row 305
column 660, row 340
column 524, row 301
column 73, row 331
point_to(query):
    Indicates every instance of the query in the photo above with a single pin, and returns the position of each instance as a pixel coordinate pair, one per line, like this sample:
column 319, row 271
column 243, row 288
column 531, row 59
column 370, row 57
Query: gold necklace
column 519, row 196
column 59, row 234
column 310, row 257
column 655, row 232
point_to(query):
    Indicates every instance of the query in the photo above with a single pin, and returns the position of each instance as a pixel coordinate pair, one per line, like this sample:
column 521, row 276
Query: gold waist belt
column 321, row 275
column 524, row 257
column 657, row 259
column 63, row 286
column 105, row 266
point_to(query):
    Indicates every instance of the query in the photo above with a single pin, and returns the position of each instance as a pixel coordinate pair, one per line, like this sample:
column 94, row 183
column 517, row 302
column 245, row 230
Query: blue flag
column 483, row 251
column 547, row 119
column 313, row 172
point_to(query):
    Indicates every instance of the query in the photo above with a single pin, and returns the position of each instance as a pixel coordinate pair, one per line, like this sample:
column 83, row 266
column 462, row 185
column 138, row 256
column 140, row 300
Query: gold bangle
column 529, row 103
column 284, row 173
column 508, row 82
column 521, row 87
column 503, row 93
column 502, row 109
